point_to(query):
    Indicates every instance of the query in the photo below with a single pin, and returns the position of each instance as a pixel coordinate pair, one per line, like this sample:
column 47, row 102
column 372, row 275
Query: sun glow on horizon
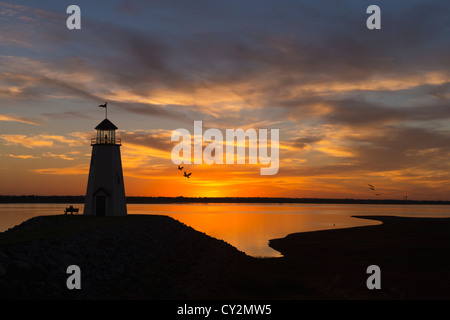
column 353, row 107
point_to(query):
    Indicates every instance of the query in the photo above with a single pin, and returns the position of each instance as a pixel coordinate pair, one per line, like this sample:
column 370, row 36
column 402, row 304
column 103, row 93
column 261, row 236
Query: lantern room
column 106, row 134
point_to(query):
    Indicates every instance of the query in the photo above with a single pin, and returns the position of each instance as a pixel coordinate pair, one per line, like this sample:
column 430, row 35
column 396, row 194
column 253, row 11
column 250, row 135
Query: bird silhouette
column 187, row 175
column 103, row 105
column 180, row 168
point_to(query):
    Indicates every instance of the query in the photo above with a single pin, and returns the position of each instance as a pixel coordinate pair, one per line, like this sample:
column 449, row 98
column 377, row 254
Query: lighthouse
column 105, row 194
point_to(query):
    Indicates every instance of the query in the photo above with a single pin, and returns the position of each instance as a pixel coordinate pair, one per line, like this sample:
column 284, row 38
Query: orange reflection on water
column 250, row 227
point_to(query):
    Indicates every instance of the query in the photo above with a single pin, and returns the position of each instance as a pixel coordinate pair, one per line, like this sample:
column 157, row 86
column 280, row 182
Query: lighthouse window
column 118, row 179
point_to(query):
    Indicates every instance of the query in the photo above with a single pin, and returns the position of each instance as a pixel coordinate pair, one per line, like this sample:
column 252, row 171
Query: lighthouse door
column 100, row 205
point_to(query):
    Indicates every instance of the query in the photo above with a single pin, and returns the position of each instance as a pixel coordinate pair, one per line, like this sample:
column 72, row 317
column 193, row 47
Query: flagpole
column 106, row 109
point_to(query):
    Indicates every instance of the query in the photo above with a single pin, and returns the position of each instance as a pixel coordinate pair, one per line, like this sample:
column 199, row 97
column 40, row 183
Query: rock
column 2, row 270
column 39, row 268
column 18, row 269
column 21, row 265
column 151, row 255
column 3, row 256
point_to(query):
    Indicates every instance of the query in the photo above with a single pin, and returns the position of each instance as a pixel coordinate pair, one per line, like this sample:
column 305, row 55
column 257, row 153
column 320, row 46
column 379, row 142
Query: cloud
column 15, row 118
column 58, row 156
column 348, row 102
column 23, row 156
column 302, row 143
column 67, row 115
column 156, row 139
column 40, row 141
column 27, row 28
column 74, row 170
column 392, row 149
column 214, row 69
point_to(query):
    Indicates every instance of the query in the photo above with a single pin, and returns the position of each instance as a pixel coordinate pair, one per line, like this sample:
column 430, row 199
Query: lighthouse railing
column 99, row 140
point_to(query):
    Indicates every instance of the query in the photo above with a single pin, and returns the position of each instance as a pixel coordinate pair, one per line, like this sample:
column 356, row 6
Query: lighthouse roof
column 106, row 125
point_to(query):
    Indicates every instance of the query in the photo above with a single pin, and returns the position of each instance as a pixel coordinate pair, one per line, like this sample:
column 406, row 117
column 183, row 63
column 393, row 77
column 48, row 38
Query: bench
column 71, row 209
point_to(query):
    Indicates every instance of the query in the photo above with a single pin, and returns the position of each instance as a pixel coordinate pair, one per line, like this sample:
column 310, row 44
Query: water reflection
column 248, row 227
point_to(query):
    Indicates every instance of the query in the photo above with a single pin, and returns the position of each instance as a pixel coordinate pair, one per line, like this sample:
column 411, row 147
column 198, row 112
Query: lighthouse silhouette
column 105, row 194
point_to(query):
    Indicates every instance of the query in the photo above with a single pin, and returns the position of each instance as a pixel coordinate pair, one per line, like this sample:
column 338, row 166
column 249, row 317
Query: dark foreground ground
column 413, row 255
column 157, row 257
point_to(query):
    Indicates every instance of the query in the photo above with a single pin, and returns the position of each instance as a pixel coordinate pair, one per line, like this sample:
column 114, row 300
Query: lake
column 248, row 227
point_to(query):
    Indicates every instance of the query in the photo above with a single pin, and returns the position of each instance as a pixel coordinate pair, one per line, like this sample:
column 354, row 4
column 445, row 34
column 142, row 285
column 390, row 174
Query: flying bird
column 180, row 168
column 187, row 175
column 371, row 187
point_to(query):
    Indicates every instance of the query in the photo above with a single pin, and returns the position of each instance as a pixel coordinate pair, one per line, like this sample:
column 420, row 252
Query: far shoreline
column 193, row 200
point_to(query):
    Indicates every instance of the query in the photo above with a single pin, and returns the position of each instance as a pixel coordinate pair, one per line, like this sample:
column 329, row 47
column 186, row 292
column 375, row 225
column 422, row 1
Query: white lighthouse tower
column 105, row 195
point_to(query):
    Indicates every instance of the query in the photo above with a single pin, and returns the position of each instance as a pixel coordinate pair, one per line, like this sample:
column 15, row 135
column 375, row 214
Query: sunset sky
column 354, row 106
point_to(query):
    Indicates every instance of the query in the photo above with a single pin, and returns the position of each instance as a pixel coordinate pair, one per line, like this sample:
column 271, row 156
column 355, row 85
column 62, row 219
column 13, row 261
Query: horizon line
column 218, row 199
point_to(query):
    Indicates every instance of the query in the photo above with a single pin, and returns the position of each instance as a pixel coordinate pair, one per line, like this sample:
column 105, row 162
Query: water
column 248, row 227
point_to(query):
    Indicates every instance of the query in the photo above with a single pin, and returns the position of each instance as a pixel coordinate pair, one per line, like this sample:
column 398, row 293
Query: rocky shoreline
column 133, row 257
column 153, row 257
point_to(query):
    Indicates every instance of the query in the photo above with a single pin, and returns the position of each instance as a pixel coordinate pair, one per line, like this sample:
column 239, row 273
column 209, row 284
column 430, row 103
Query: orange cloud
column 38, row 141
column 75, row 170
column 57, row 156
column 14, row 118
column 25, row 156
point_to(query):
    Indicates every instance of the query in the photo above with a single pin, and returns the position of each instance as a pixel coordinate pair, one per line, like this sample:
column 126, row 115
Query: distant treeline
column 41, row 199
column 148, row 200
